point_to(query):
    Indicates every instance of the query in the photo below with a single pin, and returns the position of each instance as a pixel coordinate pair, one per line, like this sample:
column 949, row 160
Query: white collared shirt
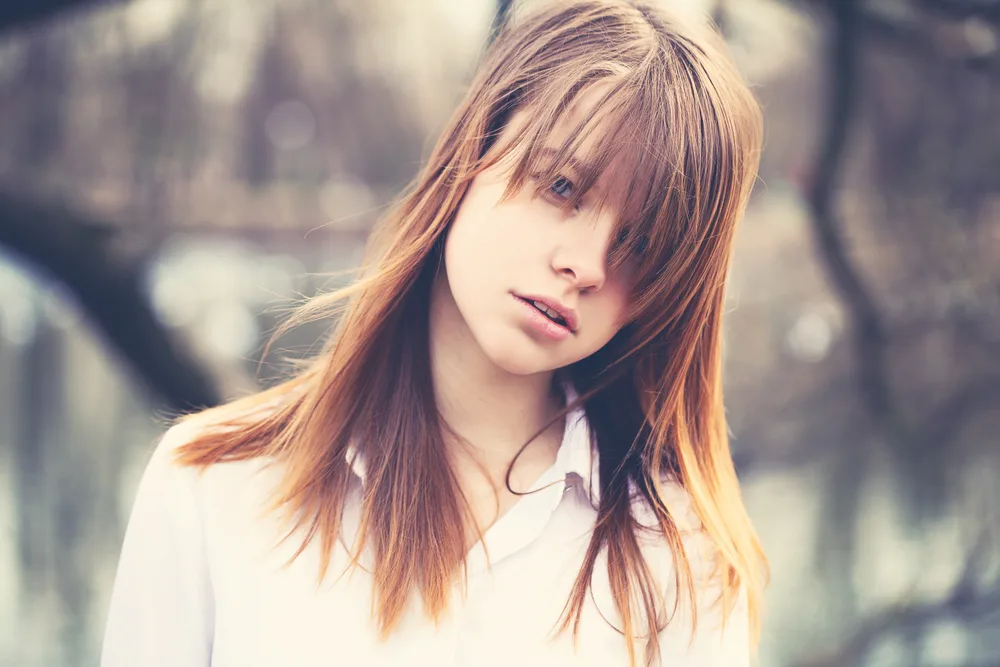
column 200, row 582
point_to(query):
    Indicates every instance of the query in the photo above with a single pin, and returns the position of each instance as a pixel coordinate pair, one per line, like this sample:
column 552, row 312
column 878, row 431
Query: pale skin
column 492, row 368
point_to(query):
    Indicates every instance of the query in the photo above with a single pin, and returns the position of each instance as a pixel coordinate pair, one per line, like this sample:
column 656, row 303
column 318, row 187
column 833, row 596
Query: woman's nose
column 582, row 259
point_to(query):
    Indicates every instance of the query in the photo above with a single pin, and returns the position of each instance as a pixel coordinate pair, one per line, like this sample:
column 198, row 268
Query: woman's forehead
column 575, row 140
column 579, row 114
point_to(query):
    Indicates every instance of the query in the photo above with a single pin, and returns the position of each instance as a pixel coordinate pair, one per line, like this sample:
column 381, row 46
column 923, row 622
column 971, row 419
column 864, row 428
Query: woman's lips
column 540, row 322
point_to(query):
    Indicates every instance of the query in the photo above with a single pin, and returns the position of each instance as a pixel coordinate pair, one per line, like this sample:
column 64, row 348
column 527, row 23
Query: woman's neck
column 495, row 412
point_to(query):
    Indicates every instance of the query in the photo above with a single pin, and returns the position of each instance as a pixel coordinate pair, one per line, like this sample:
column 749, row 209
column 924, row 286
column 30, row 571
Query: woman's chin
column 520, row 358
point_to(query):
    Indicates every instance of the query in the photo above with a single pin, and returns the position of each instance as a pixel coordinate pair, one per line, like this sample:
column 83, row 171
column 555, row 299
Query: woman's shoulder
column 227, row 507
column 163, row 466
column 220, row 420
column 207, row 482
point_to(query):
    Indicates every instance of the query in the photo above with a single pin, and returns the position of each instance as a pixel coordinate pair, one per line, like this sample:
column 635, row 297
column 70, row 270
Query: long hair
column 688, row 131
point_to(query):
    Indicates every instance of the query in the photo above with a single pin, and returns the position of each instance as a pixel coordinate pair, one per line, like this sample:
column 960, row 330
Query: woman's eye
column 640, row 245
column 561, row 190
column 562, row 187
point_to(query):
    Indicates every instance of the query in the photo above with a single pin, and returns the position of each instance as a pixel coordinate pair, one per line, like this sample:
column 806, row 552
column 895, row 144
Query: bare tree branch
column 944, row 423
column 869, row 337
column 969, row 602
column 918, row 39
column 17, row 13
column 720, row 16
column 969, row 609
column 76, row 251
column 960, row 10
column 893, row 32
column 500, row 18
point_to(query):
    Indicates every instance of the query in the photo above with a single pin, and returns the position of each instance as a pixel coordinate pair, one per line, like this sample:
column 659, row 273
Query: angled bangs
column 625, row 154
column 653, row 126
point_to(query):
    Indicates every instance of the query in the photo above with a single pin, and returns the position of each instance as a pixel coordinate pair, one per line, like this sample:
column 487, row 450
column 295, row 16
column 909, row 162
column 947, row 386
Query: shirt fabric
column 201, row 582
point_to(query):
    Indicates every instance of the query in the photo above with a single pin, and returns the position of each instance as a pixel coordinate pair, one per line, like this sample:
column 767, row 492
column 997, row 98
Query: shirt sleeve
column 162, row 612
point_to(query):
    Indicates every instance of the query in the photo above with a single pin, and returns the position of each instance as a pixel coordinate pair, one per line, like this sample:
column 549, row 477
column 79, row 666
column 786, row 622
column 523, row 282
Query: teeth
column 553, row 315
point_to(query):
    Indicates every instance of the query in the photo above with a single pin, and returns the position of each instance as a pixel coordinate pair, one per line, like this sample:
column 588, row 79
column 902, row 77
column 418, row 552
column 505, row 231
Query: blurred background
column 176, row 174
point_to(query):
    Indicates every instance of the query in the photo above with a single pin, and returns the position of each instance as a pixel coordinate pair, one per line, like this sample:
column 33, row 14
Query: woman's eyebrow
column 550, row 153
column 579, row 167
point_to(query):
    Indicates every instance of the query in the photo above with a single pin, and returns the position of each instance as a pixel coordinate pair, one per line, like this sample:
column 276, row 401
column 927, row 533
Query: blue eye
column 562, row 187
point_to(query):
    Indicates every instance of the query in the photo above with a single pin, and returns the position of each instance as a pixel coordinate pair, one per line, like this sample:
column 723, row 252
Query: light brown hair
column 689, row 132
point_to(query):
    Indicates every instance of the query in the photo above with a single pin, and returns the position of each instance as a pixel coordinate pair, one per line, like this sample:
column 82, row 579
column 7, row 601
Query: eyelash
column 623, row 237
column 563, row 181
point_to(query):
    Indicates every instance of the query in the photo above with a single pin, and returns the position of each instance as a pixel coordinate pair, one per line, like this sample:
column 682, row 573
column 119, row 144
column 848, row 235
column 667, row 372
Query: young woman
column 512, row 450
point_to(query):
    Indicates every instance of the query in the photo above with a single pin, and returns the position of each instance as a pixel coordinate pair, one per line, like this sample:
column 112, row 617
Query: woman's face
column 530, row 281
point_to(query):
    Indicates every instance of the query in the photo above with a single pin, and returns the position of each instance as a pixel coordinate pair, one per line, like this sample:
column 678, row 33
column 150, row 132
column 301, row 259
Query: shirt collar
column 577, row 457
